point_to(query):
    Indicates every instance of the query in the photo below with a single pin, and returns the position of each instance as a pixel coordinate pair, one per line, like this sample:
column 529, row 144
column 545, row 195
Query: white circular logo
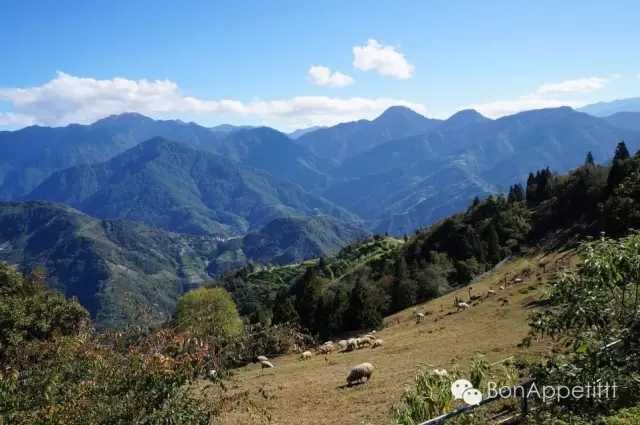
column 472, row 396
column 459, row 387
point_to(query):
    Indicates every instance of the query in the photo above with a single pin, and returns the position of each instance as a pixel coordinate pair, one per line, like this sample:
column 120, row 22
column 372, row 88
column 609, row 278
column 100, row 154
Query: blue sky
column 248, row 62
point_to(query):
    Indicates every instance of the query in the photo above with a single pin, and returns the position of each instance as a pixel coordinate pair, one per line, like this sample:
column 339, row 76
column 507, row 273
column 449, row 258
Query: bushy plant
column 595, row 313
column 209, row 312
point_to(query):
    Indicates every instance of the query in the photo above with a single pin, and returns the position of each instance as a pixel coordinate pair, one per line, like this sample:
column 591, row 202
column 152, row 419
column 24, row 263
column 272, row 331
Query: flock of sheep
column 357, row 373
column 364, row 371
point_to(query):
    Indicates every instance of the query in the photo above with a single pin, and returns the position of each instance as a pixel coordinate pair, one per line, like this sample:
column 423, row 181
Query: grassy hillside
column 312, row 392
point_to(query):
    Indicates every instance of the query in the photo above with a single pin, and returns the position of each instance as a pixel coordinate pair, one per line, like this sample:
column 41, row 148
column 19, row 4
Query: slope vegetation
column 313, row 392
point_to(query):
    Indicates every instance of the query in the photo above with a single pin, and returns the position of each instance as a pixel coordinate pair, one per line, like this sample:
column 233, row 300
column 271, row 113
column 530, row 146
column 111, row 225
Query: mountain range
column 132, row 211
column 175, row 187
column 604, row 109
column 118, row 269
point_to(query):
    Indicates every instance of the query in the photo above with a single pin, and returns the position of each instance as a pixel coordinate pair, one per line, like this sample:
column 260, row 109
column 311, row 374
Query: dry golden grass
column 313, row 392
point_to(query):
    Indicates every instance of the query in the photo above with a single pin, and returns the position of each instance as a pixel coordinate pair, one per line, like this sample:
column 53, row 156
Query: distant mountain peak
column 125, row 117
column 399, row 112
column 603, row 109
column 467, row 116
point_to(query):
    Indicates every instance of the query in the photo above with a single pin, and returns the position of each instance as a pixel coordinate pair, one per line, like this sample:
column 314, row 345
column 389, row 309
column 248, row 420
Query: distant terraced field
column 313, row 392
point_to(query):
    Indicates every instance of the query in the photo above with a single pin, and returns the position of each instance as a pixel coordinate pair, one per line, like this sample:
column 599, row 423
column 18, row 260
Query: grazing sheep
column 213, row 373
column 306, row 355
column 326, row 348
column 359, row 372
column 377, row 343
column 265, row 365
column 342, row 344
column 419, row 317
column 352, row 344
column 491, row 292
column 502, row 288
column 364, row 341
column 463, row 306
column 262, row 358
column 440, row 372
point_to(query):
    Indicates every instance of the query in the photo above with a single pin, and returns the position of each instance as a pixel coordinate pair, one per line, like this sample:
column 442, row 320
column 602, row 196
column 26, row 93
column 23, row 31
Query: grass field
column 313, row 391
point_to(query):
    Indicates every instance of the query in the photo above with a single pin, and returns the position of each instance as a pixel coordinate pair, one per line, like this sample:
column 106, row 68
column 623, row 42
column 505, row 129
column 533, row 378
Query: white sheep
column 262, row 358
column 491, row 292
column 440, row 372
column 360, row 372
column 463, row 306
column 352, row 344
column 326, row 348
column 305, row 355
column 419, row 317
column 265, row 365
column 364, row 341
column 377, row 343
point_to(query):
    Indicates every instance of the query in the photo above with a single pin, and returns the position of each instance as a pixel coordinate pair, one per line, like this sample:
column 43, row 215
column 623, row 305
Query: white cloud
column 70, row 99
column 385, row 60
column 11, row 120
column 501, row 108
column 550, row 95
column 322, row 76
column 581, row 85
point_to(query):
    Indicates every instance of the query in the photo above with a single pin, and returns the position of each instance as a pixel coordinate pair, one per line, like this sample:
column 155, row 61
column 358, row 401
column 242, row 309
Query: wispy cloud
column 581, row 85
column 550, row 95
column 385, row 60
column 322, row 76
column 71, row 99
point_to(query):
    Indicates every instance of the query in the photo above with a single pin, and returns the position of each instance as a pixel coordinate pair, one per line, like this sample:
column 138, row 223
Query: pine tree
column 589, row 159
column 618, row 167
column 493, row 244
column 366, row 305
column 516, row 193
column 622, row 153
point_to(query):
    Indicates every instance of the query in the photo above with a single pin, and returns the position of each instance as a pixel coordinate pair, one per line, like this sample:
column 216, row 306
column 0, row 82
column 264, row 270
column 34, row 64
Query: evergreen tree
column 284, row 310
column 366, row 305
column 622, row 153
column 618, row 167
column 311, row 287
column 493, row 244
column 589, row 159
column 516, row 193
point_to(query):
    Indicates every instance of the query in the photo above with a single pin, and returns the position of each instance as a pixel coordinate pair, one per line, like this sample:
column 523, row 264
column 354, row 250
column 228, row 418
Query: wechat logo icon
column 463, row 390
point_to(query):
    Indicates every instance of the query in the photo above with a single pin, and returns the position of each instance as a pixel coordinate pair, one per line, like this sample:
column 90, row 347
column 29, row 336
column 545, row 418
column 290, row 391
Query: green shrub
column 209, row 312
column 29, row 311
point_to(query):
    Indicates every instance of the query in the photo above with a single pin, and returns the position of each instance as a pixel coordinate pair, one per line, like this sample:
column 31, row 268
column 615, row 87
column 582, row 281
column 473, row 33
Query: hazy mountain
column 414, row 155
column 302, row 131
column 603, row 109
column 228, row 128
column 172, row 186
column 112, row 267
column 403, row 184
column 30, row 155
column 270, row 150
column 348, row 139
column 628, row 120
column 118, row 268
column 285, row 241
